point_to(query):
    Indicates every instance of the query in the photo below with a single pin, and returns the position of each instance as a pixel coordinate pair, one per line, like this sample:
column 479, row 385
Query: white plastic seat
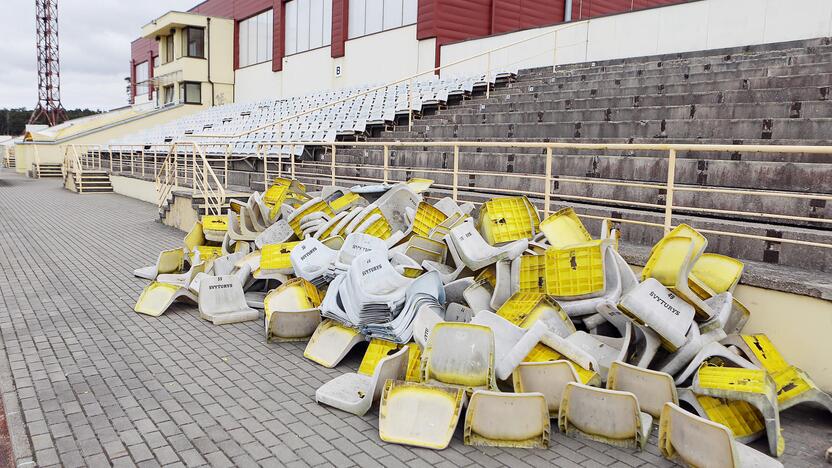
column 652, row 388
column 157, row 297
column 652, row 304
column 549, row 378
column 292, row 311
column 278, row 233
column 183, row 279
column 222, row 301
column 460, row 355
column 507, row 420
column 169, row 261
column 607, row 416
column 476, row 253
column 511, row 343
column 696, row 441
column 419, row 415
column 603, row 349
column 331, row 342
column 355, row 393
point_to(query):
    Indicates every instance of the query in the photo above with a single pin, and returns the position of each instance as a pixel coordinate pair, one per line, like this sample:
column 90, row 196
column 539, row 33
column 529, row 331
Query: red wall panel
column 583, row 9
column 278, row 39
column 340, row 26
column 513, row 15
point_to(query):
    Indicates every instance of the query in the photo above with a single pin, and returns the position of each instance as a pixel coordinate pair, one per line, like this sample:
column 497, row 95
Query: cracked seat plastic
column 754, row 386
column 222, row 301
column 169, row 261
column 696, row 441
column 419, row 415
column 607, row 416
column 331, row 342
column 214, row 227
column 498, row 419
column 576, row 271
column 184, row 279
column 652, row 388
column 793, row 385
column 292, row 311
column 355, row 393
column 549, row 378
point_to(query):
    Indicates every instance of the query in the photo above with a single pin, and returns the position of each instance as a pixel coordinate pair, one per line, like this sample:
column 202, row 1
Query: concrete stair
column 52, row 170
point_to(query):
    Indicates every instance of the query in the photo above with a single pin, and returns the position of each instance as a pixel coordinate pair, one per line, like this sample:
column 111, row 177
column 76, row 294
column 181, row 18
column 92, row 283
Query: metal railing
column 468, row 179
column 189, row 159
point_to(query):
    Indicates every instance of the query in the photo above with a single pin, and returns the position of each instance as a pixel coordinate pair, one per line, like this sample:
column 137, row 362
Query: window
column 372, row 16
column 193, row 42
column 255, row 37
column 142, row 76
column 155, row 61
column 190, row 92
column 308, row 25
column 167, row 91
column 169, row 48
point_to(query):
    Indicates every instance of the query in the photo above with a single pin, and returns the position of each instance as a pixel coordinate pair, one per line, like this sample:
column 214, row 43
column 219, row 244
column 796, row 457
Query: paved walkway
column 88, row 382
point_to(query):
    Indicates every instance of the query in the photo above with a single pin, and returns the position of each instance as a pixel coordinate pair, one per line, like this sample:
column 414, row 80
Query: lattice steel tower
column 49, row 66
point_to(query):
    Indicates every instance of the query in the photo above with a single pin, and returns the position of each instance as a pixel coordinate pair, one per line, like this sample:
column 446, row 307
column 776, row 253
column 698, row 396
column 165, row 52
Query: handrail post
column 410, row 105
column 292, row 158
column 455, row 187
column 668, row 199
column 110, row 149
column 332, row 166
column 143, row 162
column 488, row 77
column 555, row 51
column 225, row 177
column 386, row 163
column 265, row 156
column 132, row 162
column 548, row 190
column 279, row 158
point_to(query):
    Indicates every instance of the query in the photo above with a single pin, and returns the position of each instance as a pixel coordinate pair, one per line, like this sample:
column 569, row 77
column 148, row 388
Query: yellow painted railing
column 454, row 178
column 182, row 160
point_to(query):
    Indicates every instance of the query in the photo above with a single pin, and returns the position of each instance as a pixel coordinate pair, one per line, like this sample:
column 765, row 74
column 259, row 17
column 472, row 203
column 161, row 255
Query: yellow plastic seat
column 194, row 238
column 276, row 194
column 157, row 297
column 670, row 263
column 793, row 385
column 346, row 202
column 652, row 388
column 531, row 273
column 696, row 441
column 169, row 261
column 331, row 342
column 543, row 353
column 575, row 272
column 204, row 253
column 460, row 355
column 524, row 309
column 507, row 219
column 312, row 206
column 292, row 312
column 419, row 415
column 276, row 257
column 718, row 272
column 496, row 419
column 377, row 350
column 427, row 217
column 563, row 228
column 607, row 416
column 750, row 385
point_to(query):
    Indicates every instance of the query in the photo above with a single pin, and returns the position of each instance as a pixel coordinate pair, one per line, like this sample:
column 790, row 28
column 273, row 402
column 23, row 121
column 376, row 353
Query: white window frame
column 373, row 16
column 308, row 25
column 255, row 38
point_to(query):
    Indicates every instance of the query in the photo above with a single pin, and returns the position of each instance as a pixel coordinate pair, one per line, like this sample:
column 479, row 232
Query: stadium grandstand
column 642, row 116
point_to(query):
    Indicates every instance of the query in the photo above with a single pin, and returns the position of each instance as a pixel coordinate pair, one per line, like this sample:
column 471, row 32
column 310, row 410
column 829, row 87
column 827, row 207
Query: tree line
column 13, row 121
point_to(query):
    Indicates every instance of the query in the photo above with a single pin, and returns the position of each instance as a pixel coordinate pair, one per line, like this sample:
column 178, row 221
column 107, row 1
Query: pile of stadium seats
column 494, row 313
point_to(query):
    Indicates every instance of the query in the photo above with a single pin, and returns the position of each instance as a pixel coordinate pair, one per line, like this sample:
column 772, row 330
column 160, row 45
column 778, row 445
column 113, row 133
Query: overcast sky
column 94, row 38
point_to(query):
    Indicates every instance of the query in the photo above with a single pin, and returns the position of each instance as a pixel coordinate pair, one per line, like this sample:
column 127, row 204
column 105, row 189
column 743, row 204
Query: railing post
column 143, row 162
column 455, row 187
column 386, row 163
column 548, row 190
column 488, row 76
column 265, row 155
column 225, row 177
column 292, row 159
column 410, row 105
column 668, row 199
column 555, row 51
column 132, row 162
column 332, row 166
column 110, row 149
